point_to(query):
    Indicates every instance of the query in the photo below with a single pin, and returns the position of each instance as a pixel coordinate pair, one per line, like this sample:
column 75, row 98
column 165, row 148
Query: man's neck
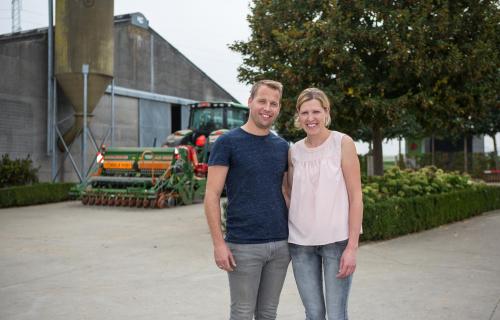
column 253, row 129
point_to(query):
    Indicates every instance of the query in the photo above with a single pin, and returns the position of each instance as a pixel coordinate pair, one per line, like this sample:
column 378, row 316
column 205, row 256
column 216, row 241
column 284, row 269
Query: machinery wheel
column 138, row 203
column 145, row 203
column 111, row 201
column 104, row 201
column 161, row 202
column 152, row 203
column 85, row 200
column 171, row 202
column 91, row 200
column 97, row 200
column 131, row 202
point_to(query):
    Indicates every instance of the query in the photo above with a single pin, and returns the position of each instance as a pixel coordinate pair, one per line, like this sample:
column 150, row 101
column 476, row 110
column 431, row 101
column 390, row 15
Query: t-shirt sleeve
column 287, row 148
column 221, row 153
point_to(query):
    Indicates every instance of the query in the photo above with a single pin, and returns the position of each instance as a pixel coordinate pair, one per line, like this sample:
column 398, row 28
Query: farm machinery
column 152, row 177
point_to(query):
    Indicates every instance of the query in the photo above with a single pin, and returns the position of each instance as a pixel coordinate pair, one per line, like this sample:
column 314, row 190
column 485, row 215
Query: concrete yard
column 66, row 261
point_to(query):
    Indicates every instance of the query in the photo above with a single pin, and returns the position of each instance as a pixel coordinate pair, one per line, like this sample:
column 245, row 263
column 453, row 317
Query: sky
column 199, row 29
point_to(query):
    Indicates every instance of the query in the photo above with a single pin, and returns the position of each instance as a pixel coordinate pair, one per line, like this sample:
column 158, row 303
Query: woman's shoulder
column 340, row 136
column 297, row 145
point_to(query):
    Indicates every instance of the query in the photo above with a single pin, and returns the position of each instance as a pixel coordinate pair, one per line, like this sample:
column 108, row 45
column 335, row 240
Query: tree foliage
column 390, row 68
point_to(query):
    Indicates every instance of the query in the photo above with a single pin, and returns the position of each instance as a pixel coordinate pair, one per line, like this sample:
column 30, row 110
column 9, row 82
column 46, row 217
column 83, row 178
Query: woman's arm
column 287, row 181
column 352, row 177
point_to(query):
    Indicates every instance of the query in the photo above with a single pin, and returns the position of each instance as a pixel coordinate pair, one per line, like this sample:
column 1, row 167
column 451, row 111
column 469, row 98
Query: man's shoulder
column 229, row 136
column 279, row 140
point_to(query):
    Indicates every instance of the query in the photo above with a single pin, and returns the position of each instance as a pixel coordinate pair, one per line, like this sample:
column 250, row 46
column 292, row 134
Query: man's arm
column 215, row 184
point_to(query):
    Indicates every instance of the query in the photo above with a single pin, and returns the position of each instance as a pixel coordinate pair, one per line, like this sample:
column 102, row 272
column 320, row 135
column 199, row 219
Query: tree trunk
column 465, row 154
column 433, row 150
column 378, row 161
column 494, row 136
column 495, row 149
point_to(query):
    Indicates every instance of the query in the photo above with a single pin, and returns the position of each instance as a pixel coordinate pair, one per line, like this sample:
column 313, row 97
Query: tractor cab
column 207, row 121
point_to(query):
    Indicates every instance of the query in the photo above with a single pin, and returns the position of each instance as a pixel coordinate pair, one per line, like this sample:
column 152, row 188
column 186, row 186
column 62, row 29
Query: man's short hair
column 275, row 85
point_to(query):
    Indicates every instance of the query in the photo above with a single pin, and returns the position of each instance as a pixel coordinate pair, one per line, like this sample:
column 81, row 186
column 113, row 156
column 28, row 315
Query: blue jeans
column 310, row 264
column 256, row 282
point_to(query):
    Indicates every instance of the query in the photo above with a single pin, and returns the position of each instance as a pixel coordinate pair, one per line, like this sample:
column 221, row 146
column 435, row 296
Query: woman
column 326, row 210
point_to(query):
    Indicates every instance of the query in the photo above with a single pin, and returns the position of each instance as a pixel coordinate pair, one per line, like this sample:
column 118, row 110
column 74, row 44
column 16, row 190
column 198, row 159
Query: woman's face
column 312, row 117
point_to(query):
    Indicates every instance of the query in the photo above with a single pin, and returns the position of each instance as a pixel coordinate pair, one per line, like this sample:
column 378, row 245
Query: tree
column 349, row 49
column 456, row 66
column 384, row 64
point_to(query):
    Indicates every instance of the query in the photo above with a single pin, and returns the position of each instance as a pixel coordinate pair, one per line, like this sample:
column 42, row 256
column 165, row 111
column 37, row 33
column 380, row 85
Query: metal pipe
column 152, row 64
column 113, row 112
column 85, row 71
column 50, row 74
column 54, row 126
column 69, row 154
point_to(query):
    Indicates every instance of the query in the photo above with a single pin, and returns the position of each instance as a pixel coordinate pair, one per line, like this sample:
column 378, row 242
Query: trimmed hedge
column 399, row 216
column 34, row 194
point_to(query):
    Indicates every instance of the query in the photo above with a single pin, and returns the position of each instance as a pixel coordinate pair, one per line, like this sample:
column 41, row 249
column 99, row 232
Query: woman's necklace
column 320, row 139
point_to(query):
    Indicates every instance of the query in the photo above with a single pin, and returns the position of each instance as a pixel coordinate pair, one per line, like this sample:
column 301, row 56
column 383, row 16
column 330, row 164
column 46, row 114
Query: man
column 251, row 162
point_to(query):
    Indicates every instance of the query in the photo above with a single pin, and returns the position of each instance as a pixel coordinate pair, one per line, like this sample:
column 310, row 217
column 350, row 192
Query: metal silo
column 83, row 35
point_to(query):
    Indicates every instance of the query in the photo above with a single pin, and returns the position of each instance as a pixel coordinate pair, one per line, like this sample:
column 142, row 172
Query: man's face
column 264, row 107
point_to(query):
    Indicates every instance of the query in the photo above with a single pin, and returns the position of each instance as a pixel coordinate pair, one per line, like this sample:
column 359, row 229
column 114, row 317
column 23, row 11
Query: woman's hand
column 347, row 263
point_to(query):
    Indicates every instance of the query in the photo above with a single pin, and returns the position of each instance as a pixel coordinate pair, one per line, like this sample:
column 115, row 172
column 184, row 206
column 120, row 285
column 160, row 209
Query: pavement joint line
column 494, row 310
column 48, row 276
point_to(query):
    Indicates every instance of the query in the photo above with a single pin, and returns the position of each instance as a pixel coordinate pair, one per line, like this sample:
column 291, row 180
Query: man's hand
column 224, row 258
column 347, row 263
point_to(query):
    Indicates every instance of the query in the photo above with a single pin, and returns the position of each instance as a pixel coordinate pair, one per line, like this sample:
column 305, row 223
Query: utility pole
column 16, row 15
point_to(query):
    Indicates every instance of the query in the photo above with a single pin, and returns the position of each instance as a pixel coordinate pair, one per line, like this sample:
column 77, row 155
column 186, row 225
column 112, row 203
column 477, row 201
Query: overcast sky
column 200, row 29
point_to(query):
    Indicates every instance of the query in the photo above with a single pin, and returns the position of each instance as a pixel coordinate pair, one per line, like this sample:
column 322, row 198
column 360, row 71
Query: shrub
column 397, row 183
column 34, row 194
column 454, row 161
column 398, row 216
column 17, row 172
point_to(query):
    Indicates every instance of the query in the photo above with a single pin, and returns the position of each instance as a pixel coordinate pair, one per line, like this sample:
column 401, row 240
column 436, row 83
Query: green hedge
column 34, row 194
column 399, row 216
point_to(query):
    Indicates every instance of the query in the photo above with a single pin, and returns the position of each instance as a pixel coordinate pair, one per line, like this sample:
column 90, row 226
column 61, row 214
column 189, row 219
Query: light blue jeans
column 312, row 263
column 256, row 282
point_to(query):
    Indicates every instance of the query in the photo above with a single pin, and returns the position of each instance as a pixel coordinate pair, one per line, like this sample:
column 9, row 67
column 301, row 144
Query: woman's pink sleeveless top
column 319, row 207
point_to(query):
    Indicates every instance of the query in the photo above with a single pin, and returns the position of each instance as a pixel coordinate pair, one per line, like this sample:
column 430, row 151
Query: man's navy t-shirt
column 256, row 211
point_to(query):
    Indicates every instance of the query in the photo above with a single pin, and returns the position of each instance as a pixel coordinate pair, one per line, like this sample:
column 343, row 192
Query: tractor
column 174, row 174
column 208, row 121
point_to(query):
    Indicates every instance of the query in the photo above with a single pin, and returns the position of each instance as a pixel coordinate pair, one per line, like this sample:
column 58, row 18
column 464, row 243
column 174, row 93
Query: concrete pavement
column 67, row 261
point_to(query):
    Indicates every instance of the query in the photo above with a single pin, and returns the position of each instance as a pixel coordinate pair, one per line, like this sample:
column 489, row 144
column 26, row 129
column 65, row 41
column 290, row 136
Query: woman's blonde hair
column 313, row 94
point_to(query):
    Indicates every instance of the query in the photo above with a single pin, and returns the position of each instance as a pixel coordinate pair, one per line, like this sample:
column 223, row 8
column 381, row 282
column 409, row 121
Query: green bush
column 17, row 172
column 397, row 183
column 34, row 194
column 398, row 216
column 454, row 161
